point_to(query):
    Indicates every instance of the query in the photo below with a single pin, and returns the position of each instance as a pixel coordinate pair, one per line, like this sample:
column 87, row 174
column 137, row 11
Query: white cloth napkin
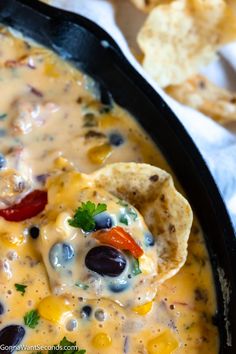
column 216, row 143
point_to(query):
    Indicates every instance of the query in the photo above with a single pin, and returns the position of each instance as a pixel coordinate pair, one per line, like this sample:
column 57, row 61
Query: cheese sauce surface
column 51, row 117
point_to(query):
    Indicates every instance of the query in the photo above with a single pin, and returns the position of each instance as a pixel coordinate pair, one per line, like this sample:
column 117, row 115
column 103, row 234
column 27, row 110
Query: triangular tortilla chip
column 166, row 212
column 179, row 38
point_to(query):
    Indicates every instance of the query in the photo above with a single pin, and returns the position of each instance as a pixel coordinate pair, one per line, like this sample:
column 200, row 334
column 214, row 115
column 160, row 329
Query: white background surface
column 217, row 144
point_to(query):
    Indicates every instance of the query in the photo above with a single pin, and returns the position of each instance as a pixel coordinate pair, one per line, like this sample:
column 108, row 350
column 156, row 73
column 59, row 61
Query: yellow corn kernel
column 108, row 121
column 101, row 340
column 143, row 309
column 146, row 265
column 12, row 239
column 99, row 154
column 165, row 343
column 54, row 309
column 61, row 163
column 50, row 70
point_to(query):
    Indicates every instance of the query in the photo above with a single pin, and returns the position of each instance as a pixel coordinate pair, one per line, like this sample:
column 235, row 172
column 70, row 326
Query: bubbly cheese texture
column 52, row 118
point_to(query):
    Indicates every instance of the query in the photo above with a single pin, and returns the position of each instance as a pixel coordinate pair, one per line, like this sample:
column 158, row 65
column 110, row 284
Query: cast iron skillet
column 92, row 50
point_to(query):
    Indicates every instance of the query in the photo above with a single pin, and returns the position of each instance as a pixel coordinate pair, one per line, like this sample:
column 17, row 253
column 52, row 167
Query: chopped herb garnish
column 3, row 116
column 136, row 270
column 81, row 285
column 65, row 344
column 84, row 216
column 129, row 211
column 122, row 203
column 31, row 318
column 124, row 220
column 132, row 213
column 21, row 288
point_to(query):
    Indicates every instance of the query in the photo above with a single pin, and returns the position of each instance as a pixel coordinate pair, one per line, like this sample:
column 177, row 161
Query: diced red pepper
column 29, row 206
column 119, row 238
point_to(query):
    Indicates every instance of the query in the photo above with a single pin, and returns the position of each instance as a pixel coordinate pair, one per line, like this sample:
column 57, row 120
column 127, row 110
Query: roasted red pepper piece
column 119, row 238
column 29, row 206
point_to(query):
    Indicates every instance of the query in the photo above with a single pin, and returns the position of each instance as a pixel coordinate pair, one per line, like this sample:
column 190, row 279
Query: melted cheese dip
column 51, row 116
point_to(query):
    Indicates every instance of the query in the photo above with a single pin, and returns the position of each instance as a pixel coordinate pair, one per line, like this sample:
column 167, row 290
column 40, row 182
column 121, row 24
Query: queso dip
column 51, row 117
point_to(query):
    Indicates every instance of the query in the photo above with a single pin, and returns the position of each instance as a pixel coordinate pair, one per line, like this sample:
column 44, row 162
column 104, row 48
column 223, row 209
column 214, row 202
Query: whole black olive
column 118, row 287
column 34, row 232
column 60, row 254
column 86, row 311
column 105, row 260
column 11, row 336
column 116, row 139
column 103, row 221
column 149, row 239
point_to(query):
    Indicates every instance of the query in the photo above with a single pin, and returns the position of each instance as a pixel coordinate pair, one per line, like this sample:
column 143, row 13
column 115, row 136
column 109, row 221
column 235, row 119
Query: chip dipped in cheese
column 95, row 243
column 78, row 263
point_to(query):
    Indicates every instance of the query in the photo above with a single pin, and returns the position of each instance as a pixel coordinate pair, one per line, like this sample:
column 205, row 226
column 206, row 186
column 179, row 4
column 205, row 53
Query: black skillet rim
column 181, row 153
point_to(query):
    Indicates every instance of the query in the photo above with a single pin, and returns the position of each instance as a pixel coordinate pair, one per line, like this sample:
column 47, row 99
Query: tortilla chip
column 201, row 94
column 166, row 212
column 179, row 38
column 148, row 5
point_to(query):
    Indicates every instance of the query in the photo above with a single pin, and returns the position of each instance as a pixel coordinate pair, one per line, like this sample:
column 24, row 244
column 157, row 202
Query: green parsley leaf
column 65, row 343
column 81, row 285
column 21, row 288
column 31, row 318
column 136, row 270
column 128, row 210
column 84, row 216
column 122, row 203
column 124, row 220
